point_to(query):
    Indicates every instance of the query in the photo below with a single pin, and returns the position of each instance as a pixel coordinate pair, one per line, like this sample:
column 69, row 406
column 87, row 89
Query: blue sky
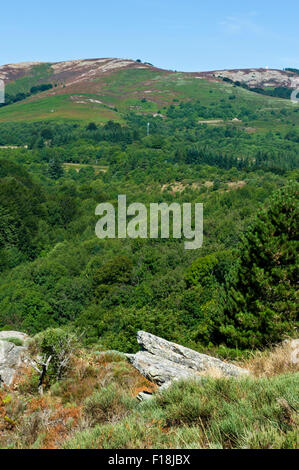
column 189, row 35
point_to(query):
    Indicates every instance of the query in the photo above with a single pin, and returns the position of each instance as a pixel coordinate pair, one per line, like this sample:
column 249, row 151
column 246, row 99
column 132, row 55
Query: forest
column 235, row 294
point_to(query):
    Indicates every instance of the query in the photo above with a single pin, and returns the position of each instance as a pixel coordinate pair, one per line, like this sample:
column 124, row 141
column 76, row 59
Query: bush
column 108, row 404
column 60, row 345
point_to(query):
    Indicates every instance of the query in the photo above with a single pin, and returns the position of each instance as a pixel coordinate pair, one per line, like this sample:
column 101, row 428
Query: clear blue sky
column 189, row 35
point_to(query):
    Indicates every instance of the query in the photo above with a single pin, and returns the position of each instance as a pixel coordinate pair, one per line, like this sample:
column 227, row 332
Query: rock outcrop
column 11, row 356
column 162, row 361
column 159, row 369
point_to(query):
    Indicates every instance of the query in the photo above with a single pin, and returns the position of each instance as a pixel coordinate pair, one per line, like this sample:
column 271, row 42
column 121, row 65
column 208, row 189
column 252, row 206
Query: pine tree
column 260, row 305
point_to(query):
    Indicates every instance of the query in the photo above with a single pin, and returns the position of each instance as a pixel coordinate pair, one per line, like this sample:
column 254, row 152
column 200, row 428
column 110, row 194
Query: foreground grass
column 221, row 413
column 95, row 406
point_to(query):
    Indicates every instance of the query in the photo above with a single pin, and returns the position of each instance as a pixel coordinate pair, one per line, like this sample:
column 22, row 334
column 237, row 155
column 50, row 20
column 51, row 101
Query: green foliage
column 55, row 272
column 261, row 302
column 55, row 169
column 292, row 70
column 113, row 288
column 228, row 409
column 20, row 208
column 107, row 404
column 58, row 344
column 20, row 96
column 201, row 271
column 236, row 293
column 116, row 272
column 91, row 127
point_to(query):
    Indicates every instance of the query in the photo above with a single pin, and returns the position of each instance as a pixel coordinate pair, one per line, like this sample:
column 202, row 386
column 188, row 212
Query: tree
column 55, row 169
column 91, row 127
column 41, row 366
column 47, row 133
column 116, row 272
column 201, row 271
column 21, row 207
column 260, row 306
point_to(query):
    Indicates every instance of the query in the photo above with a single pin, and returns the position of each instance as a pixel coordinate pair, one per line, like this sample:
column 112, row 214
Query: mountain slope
column 103, row 89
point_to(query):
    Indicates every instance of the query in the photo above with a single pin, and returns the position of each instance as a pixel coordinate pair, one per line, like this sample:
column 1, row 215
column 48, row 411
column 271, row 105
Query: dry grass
column 282, row 359
column 30, row 421
column 212, row 372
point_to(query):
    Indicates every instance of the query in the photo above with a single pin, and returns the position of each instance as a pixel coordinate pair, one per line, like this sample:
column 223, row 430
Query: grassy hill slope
column 103, row 89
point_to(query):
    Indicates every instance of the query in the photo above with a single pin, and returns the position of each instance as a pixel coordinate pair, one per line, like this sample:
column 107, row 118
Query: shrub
column 108, row 404
column 59, row 344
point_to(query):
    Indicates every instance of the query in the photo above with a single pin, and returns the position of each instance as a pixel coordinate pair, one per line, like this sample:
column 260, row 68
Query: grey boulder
column 162, row 361
column 13, row 334
column 158, row 369
column 11, row 356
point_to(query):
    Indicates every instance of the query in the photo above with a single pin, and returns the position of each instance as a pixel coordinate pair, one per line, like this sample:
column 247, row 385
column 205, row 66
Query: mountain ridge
column 97, row 66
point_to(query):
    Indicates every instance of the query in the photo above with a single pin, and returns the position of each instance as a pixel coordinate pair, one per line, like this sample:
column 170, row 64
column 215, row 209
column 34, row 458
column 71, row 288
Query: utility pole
column 148, row 129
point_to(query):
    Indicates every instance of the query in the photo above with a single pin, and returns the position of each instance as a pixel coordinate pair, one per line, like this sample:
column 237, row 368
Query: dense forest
column 236, row 293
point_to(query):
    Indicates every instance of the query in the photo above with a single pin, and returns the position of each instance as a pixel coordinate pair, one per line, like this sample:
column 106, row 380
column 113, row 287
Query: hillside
column 77, row 134
column 103, row 89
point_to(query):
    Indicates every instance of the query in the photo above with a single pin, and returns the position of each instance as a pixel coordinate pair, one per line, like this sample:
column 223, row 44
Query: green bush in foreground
column 59, row 345
column 108, row 403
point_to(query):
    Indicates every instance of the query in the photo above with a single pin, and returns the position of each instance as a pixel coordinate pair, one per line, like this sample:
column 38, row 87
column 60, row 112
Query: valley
column 78, row 134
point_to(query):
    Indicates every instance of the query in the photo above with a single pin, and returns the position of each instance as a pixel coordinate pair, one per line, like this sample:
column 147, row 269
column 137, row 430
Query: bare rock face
column 11, row 356
column 162, row 361
column 159, row 369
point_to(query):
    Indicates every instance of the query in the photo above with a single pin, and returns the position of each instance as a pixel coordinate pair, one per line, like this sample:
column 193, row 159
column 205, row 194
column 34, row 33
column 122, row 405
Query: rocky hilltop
column 71, row 72
column 105, row 89
column 257, row 78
